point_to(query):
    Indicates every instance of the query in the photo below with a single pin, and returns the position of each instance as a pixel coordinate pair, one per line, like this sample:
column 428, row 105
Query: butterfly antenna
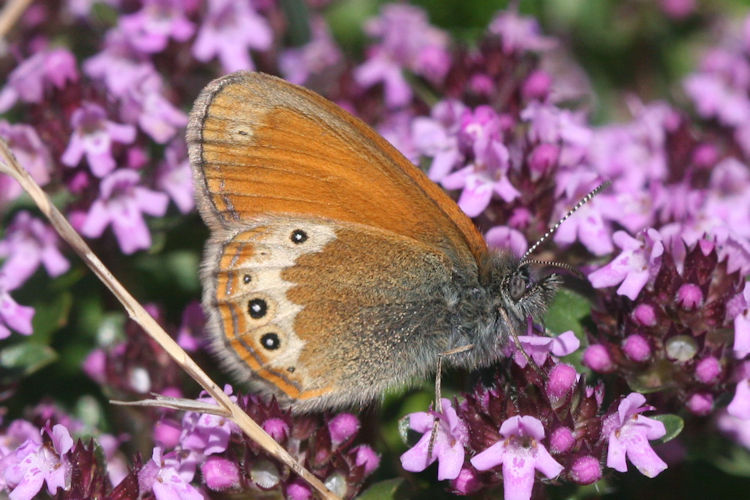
column 552, row 263
column 551, row 231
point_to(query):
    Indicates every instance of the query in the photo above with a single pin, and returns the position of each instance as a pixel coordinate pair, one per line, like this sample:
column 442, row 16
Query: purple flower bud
column 543, row 157
column 342, row 427
column 705, row 155
column 466, row 483
column 561, row 440
column 689, row 296
column 598, row 359
column 644, row 315
column 277, row 428
column 364, row 455
column 95, row 365
column 707, row 370
column 167, row 433
column 537, row 85
column 220, row 473
column 586, row 470
column 561, row 379
column 636, row 347
column 700, row 403
column 298, row 490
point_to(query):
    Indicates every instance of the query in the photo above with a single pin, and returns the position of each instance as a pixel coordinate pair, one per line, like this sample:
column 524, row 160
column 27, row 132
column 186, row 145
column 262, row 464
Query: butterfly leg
column 438, row 395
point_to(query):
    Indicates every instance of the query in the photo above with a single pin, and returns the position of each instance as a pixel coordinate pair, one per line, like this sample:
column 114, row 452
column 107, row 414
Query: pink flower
column 150, row 29
column 145, row 104
column 406, row 41
column 520, row 452
column 632, row 269
column 448, row 448
column 629, row 432
column 119, row 65
column 31, row 154
column 519, row 33
column 297, row 64
column 36, row 463
column 539, row 347
column 122, row 203
column 29, row 243
column 30, row 79
column 229, row 30
column 168, row 477
column 93, row 136
column 204, row 433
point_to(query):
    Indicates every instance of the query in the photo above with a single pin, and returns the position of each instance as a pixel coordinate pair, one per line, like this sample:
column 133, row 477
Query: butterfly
column 335, row 269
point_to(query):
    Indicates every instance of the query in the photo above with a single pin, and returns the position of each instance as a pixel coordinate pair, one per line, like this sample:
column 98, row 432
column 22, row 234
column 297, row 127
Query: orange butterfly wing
column 266, row 146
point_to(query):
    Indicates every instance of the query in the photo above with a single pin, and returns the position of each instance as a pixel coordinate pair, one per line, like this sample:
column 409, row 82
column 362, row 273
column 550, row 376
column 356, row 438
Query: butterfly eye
column 270, row 341
column 298, row 236
column 517, row 286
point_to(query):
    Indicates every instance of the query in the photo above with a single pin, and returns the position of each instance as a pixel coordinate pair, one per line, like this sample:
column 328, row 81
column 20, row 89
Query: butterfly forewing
column 261, row 146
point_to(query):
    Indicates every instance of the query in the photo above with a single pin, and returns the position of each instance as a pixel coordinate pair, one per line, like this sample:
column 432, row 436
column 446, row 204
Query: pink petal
column 16, row 316
column 54, row 262
column 616, row 454
column 518, row 476
column 151, row 202
column 101, row 163
column 74, row 152
column 131, row 232
column 641, row 455
column 630, row 405
column 740, row 405
column 489, row 458
column 97, row 220
column 545, row 464
column 564, row 344
column 475, row 196
column 421, row 421
column 741, row 336
column 415, row 459
column 451, row 461
column 633, row 284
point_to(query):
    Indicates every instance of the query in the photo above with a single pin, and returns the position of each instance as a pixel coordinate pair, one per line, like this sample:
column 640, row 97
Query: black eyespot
column 298, row 236
column 257, row 308
column 270, row 341
column 247, row 279
column 517, row 286
column 290, row 369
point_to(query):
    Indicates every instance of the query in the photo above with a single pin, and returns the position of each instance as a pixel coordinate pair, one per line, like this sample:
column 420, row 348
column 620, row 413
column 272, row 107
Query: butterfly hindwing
column 287, row 315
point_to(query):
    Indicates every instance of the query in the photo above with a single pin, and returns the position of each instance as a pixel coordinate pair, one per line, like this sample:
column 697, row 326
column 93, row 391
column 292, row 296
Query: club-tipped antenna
column 604, row 185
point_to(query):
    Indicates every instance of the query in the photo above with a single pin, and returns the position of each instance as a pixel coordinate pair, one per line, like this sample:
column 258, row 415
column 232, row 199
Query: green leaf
column 567, row 312
column 50, row 315
column 672, row 423
column 24, row 358
column 735, row 461
column 384, row 490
